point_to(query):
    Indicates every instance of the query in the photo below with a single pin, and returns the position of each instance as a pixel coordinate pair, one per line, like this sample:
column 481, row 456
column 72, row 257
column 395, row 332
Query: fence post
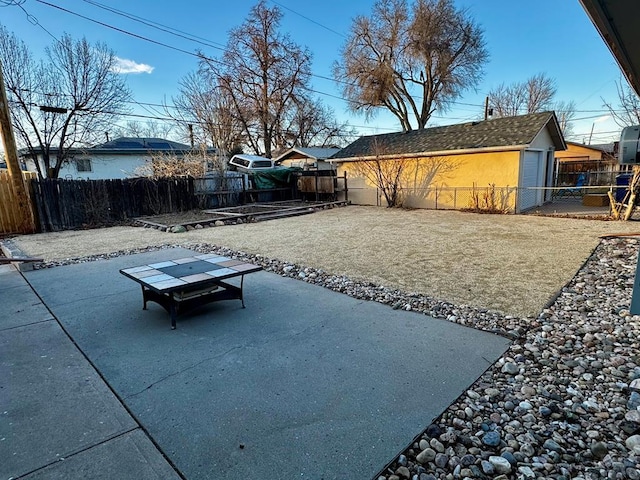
column 316, row 189
column 346, row 190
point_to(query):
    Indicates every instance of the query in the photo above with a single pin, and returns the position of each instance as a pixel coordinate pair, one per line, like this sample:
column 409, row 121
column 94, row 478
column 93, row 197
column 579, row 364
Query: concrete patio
column 303, row 383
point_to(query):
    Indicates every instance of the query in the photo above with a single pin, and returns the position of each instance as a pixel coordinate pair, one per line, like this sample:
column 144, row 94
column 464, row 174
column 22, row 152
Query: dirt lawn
column 513, row 264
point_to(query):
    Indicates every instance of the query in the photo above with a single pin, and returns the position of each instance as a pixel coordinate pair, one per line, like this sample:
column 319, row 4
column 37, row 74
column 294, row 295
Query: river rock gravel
column 562, row 403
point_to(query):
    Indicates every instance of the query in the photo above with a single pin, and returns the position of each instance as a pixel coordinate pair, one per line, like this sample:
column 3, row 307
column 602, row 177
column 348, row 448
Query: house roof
column 126, row 146
column 600, row 148
column 498, row 133
column 609, row 148
column 604, row 147
column 145, row 143
column 315, row 153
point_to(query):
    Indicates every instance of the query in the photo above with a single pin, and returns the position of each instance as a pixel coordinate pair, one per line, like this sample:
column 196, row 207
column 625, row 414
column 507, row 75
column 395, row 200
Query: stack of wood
column 623, row 210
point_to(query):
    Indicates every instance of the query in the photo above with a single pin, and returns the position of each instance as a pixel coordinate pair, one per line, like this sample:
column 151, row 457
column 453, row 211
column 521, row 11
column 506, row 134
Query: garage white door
column 531, row 176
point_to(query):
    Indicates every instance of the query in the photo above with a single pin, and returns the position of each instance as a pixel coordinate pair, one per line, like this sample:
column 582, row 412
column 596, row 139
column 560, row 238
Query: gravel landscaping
column 509, row 263
column 561, row 403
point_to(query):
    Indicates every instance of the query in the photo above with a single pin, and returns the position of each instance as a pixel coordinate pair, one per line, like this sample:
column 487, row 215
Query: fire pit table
column 186, row 283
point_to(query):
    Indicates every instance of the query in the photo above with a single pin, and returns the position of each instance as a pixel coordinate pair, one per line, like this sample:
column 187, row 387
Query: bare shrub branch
column 169, row 165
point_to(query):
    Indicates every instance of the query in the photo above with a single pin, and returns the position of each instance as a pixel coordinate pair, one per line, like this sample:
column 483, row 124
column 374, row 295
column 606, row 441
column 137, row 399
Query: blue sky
column 523, row 38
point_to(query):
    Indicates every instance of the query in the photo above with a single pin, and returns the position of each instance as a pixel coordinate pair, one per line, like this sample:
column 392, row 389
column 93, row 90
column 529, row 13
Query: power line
column 213, row 60
column 126, row 32
column 202, row 57
column 32, row 19
column 159, row 26
column 310, row 19
column 166, row 45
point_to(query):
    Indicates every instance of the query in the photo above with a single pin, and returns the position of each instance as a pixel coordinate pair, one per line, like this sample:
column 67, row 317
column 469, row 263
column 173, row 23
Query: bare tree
column 310, row 123
column 410, row 61
column 565, row 111
column 148, row 129
column 536, row 94
column 207, row 111
column 263, row 72
column 63, row 102
column 533, row 95
column 540, row 91
column 386, row 174
column 627, row 112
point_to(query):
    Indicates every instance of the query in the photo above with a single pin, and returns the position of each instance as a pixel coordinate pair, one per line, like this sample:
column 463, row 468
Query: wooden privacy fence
column 68, row 204
column 71, row 204
column 10, row 221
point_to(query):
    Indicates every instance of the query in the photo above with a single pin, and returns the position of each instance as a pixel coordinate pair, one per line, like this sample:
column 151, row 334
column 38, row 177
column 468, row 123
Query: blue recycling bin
column 622, row 182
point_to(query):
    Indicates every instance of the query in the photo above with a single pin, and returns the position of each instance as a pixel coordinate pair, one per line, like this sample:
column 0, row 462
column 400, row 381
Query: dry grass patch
column 509, row 263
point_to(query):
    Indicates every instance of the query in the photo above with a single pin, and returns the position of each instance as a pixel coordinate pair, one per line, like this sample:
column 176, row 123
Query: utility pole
column 22, row 206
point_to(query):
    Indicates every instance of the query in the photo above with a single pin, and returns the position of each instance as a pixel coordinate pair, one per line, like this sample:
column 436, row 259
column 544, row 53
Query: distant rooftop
column 314, row 153
column 145, row 143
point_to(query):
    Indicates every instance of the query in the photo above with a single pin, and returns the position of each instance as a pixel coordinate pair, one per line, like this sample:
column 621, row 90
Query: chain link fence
column 592, row 199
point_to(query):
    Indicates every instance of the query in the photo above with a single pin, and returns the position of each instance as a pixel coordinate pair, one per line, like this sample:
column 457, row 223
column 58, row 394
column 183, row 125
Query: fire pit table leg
column 173, row 312
column 144, row 298
column 242, row 290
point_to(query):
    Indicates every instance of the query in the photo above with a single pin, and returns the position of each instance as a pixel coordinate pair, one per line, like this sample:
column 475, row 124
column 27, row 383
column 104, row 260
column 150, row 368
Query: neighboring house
column 307, row 158
column 118, row 158
column 445, row 161
column 598, row 162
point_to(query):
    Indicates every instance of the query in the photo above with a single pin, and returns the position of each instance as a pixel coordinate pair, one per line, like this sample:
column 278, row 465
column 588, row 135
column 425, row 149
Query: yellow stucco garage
column 502, row 162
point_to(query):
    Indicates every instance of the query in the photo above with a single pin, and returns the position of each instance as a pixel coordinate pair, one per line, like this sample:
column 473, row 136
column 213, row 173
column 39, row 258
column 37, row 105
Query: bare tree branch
column 565, row 111
column 627, row 112
column 210, row 112
column 533, row 95
column 411, row 61
column 263, row 72
column 77, row 77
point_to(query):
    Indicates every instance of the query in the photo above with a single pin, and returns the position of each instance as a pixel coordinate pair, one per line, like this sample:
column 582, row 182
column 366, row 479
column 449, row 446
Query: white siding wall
column 102, row 167
column 113, row 166
column 542, row 141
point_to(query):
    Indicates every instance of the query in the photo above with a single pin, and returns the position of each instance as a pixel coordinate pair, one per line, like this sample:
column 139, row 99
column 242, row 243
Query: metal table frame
column 182, row 298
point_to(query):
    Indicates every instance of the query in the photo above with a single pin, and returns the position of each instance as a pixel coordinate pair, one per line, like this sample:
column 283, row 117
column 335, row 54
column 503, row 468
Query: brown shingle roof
column 499, row 132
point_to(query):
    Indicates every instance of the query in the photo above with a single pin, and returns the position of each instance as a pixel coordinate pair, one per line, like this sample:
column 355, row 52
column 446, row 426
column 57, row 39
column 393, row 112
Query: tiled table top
column 174, row 275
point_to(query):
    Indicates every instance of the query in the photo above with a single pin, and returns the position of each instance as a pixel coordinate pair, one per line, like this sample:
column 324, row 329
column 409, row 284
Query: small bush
column 489, row 200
